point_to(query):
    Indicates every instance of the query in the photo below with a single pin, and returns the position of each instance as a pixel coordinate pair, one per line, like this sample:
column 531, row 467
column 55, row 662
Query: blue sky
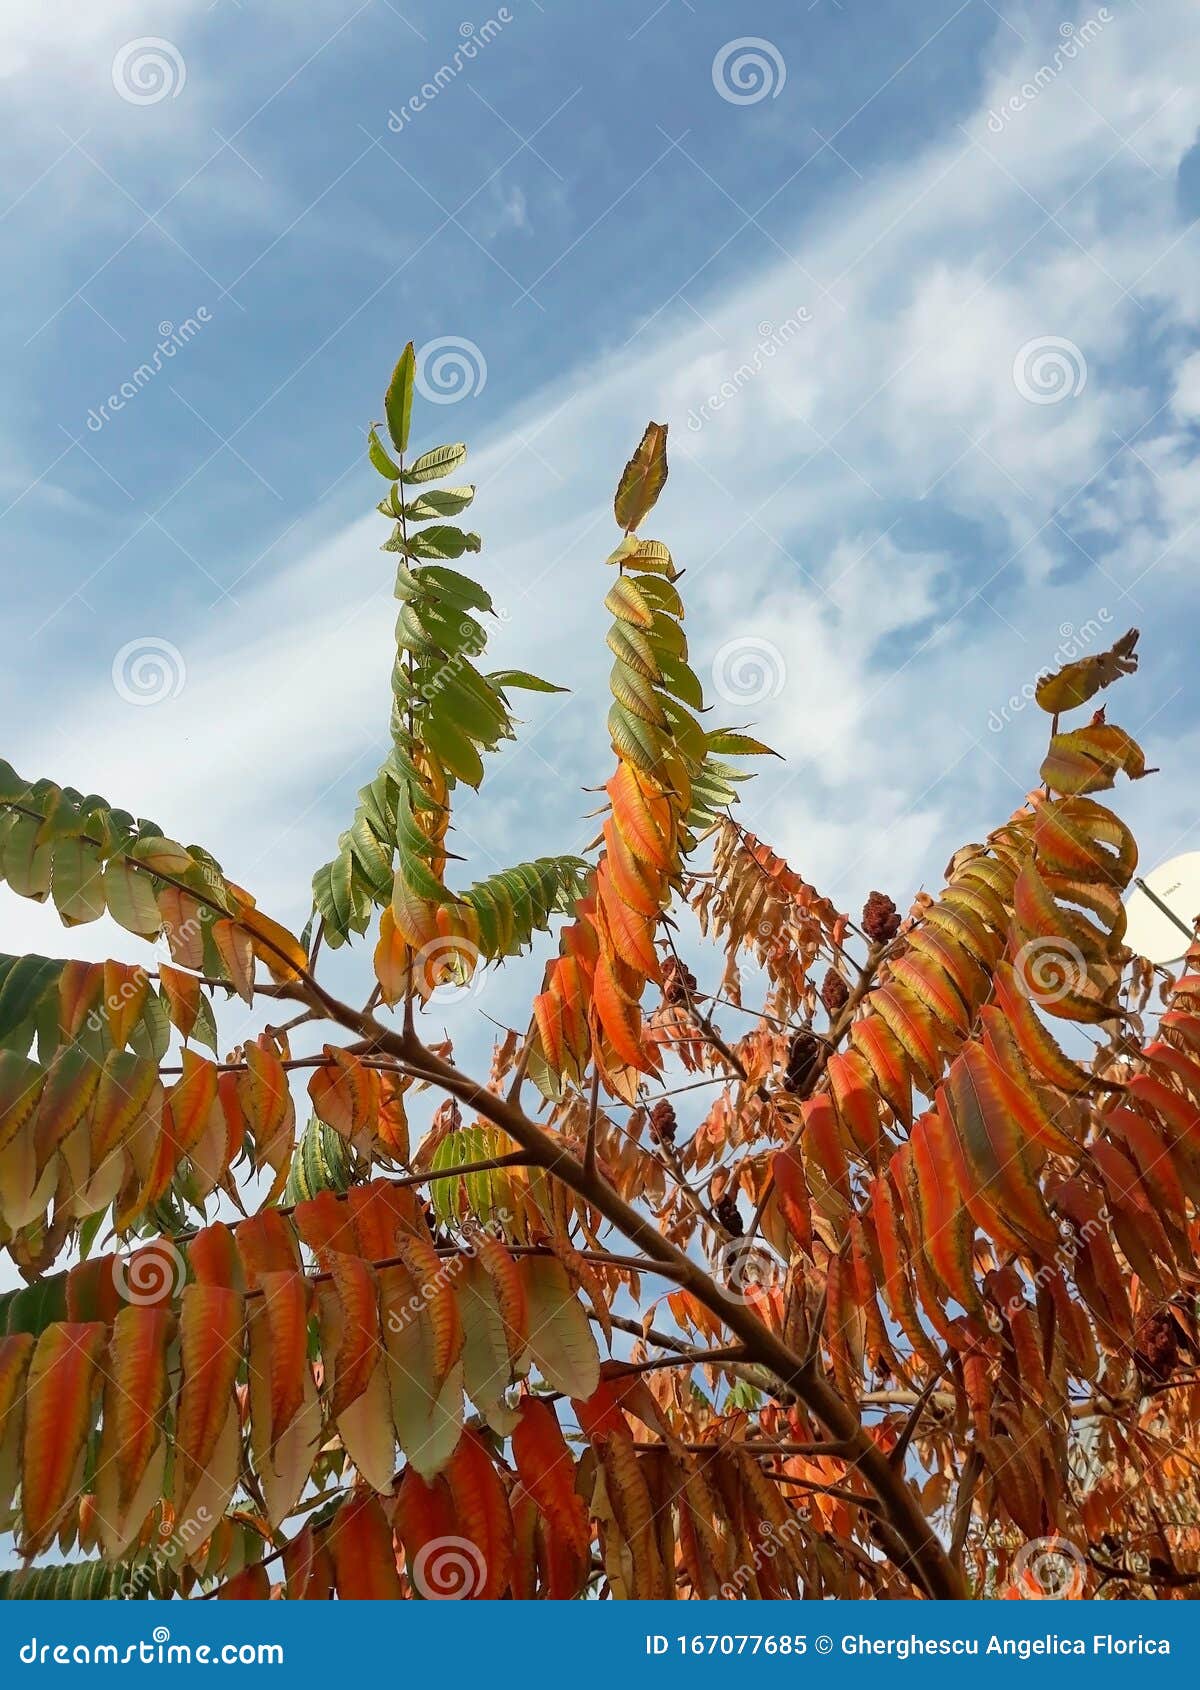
column 965, row 439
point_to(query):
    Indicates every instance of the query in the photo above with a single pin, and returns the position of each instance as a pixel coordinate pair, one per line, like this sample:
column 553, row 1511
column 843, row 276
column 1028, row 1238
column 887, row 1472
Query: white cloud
column 877, row 500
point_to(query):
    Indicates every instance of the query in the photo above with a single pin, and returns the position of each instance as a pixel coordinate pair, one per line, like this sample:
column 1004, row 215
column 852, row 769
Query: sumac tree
column 822, row 1258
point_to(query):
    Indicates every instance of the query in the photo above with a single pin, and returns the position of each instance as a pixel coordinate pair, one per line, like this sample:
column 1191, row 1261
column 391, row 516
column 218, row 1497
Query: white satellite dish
column 1162, row 908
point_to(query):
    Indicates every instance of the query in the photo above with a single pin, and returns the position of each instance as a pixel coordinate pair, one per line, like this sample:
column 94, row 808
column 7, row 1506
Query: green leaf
column 682, row 682
column 659, row 594
column 634, row 740
column 505, row 678
column 75, row 881
column 379, row 457
column 442, row 541
column 731, row 744
column 482, row 719
column 26, row 864
column 24, row 981
column 439, row 501
column 458, row 590
column 631, row 647
column 455, row 751
column 560, row 1334
column 397, row 403
column 434, row 465
column 130, row 898
column 637, row 694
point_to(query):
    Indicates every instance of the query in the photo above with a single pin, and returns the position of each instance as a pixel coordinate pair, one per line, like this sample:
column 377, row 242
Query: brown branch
column 905, row 1533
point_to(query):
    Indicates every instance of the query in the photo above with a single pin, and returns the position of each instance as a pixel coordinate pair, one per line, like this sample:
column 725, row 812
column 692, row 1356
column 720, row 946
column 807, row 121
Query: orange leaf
column 364, row 1556
column 125, row 989
column 481, row 1508
column 212, row 1331
column 547, row 1470
column 60, row 1398
column 135, row 1393
column 191, row 1099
